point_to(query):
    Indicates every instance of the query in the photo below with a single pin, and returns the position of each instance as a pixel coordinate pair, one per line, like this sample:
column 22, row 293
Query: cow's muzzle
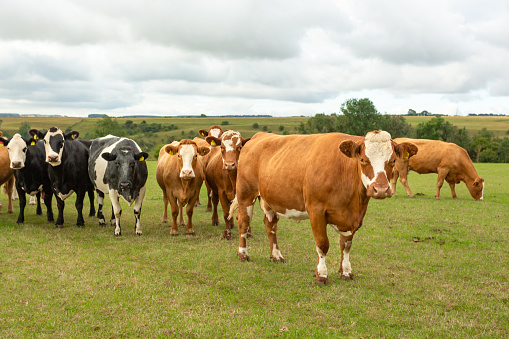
column 379, row 192
column 230, row 166
column 124, row 186
column 53, row 158
column 16, row 165
column 187, row 174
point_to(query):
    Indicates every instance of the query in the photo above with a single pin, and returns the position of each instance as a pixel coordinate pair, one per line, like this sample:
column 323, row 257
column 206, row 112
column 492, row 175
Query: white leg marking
column 243, row 250
column 250, row 212
column 347, row 268
column 276, row 254
column 321, row 268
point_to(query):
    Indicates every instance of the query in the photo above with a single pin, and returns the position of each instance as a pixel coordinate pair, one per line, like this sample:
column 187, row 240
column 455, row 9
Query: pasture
column 423, row 268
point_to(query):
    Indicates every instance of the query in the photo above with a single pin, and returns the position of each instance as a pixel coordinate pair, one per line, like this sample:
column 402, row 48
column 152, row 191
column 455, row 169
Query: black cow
column 117, row 167
column 68, row 172
column 31, row 172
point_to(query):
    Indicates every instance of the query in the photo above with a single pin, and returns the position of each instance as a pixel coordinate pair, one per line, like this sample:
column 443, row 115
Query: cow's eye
column 24, row 150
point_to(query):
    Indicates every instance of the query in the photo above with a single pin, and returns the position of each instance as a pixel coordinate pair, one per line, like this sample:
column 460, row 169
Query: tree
column 481, row 142
column 436, row 129
column 281, row 128
column 255, row 125
column 359, row 116
column 106, row 126
column 396, row 125
column 23, row 129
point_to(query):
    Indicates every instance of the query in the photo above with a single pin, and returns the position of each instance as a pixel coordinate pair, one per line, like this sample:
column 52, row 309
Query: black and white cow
column 31, row 172
column 117, row 167
column 68, row 170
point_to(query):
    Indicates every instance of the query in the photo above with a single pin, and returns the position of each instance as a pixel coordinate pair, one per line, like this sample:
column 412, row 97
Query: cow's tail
column 233, row 207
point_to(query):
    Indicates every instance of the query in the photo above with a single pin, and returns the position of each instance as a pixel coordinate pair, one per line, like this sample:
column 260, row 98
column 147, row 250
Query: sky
column 243, row 57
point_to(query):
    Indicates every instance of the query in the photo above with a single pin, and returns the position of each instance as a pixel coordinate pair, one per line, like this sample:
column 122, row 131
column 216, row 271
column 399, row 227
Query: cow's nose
column 125, row 185
column 16, row 164
column 53, row 158
column 382, row 192
column 187, row 174
column 230, row 166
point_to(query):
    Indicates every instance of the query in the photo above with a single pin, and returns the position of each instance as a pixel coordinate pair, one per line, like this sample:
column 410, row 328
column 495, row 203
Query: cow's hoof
column 215, row 223
column 347, row 277
column 208, row 209
column 172, row 232
column 243, row 257
column 322, row 281
column 59, row 226
column 139, row 233
column 190, row 233
column 279, row 260
column 227, row 235
column 118, row 234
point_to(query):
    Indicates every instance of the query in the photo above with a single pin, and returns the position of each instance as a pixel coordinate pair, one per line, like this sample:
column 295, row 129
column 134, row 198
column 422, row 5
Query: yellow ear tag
column 170, row 152
column 202, row 134
column 213, row 143
column 405, row 155
column 32, row 143
column 142, row 158
column 36, row 137
column 1, row 145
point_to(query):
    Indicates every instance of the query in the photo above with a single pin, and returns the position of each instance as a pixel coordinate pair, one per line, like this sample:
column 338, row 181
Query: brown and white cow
column 6, row 173
column 215, row 131
column 450, row 161
column 180, row 175
column 221, row 174
column 327, row 178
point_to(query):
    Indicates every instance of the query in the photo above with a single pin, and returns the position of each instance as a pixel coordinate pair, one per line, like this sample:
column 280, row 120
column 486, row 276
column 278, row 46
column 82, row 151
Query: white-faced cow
column 68, row 170
column 117, row 167
column 450, row 161
column 221, row 174
column 327, row 178
column 180, row 175
column 31, row 172
column 6, row 174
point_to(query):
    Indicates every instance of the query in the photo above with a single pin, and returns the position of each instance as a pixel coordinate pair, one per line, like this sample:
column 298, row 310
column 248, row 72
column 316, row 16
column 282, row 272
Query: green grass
column 423, row 268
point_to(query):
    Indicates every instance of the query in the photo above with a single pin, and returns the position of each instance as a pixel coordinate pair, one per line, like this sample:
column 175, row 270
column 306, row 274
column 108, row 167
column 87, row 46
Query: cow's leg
column 100, row 203
column 271, row 229
column 165, row 203
column 117, row 211
column 48, row 197
column 225, row 204
column 137, row 210
column 113, row 219
column 9, row 188
column 345, row 245
column 60, row 219
column 90, row 193
column 442, row 173
column 215, row 202
column 181, row 214
column 38, row 209
column 403, row 178
column 209, row 197
column 244, row 216
column 80, row 196
column 319, row 228
column 22, row 204
column 452, row 185
column 174, row 214
column 189, row 212
column 394, row 181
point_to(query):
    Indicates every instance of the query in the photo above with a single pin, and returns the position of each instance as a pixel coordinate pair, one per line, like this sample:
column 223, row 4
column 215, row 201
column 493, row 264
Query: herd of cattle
column 326, row 178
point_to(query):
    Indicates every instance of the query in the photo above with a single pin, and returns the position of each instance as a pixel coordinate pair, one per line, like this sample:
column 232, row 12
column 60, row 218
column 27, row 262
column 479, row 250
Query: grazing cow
column 31, row 173
column 221, row 174
column 117, row 167
column 327, row 178
column 6, row 174
column 180, row 175
column 450, row 161
column 215, row 131
column 68, row 170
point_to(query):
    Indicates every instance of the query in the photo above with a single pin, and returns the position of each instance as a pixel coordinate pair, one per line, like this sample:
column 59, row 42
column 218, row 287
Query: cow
column 68, row 170
column 327, row 178
column 450, row 161
column 6, row 174
column 221, row 174
column 117, row 167
column 180, row 175
column 215, row 131
column 31, row 173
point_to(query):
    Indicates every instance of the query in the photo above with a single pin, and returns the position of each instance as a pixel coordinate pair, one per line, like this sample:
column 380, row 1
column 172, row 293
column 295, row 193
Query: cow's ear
column 203, row 151
column 31, row 141
column 204, row 133
column 350, row 148
column 405, row 150
column 142, row 156
column 108, row 156
column 213, row 141
column 1, row 133
column 72, row 135
column 245, row 140
column 171, row 150
column 36, row 134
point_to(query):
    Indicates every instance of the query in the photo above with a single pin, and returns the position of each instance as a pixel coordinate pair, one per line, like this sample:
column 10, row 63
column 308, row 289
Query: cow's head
column 3, row 140
column 54, row 143
column 231, row 143
column 187, row 153
column 214, row 131
column 476, row 188
column 17, row 148
column 125, row 159
column 376, row 156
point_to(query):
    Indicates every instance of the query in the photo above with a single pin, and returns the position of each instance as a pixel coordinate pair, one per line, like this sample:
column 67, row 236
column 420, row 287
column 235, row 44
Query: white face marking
column 15, row 149
column 215, row 132
column 378, row 150
column 100, row 168
column 347, row 267
column 294, row 214
column 482, row 193
column 187, row 154
column 227, row 140
column 49, row 149
column 321, row 268
column 275, row 253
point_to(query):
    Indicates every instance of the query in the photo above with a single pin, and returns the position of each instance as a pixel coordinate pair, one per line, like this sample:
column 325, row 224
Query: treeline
column 359, row 116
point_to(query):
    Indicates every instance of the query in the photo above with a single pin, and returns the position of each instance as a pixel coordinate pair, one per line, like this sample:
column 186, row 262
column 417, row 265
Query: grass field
column 423, row 268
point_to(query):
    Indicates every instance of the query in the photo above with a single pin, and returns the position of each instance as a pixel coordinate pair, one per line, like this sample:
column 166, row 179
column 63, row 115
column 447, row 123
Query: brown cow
column 327, row 178
column 215, row 131
column 180, row 175
column 221, row 174
column 6, row 173
column 450, row 161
